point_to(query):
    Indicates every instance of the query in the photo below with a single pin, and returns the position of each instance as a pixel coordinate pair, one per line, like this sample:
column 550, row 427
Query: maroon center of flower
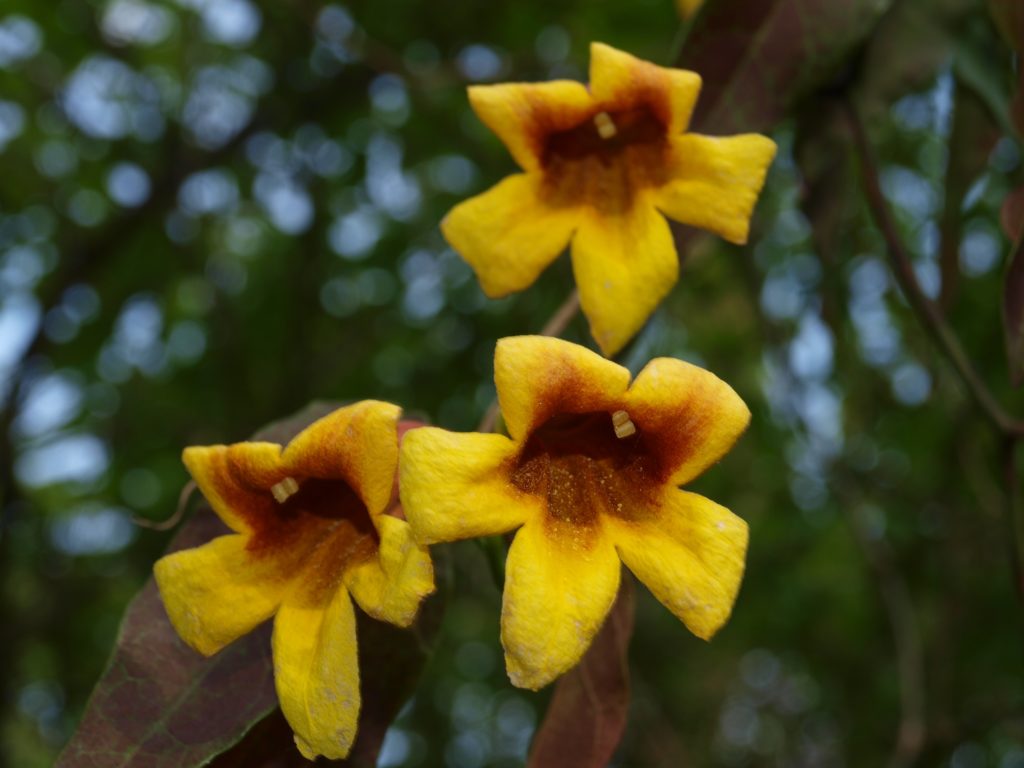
column 584, row 469
column 606, row 159
column 317, row 510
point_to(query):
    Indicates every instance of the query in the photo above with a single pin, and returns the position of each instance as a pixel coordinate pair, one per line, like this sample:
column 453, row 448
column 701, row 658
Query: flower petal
column 716, row 182
column 235, row 479
column 692, row 417
column 316, row 669
column 690, row 555
column 559, row 586
column 391, row 587
column 620, row 80
column 625, row 263
column 538, row 377
column 357, row 444
column 218, row 592
column 523, row 114
column 456, row 486
column 510, row 233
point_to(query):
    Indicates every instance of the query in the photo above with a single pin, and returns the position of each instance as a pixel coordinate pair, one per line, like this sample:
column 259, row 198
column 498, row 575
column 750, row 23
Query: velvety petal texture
column 312, row 527
column 690, row 555
column 509, row 234
column 357, row 444
column 458, row 485
column 716, row 182
column 618, row 291
column 523, row 114
column 218, row 592
column 557, row 593
column 603, row 168
column 574, row 380
column 692, row 415
column 316, row 671
column 588, row 481
column 391, row 587
column 618, row 78
column 234, row 479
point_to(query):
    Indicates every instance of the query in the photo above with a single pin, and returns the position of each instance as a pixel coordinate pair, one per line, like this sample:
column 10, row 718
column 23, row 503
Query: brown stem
column 165, row 525
column 553, row 327
column 927, row 311
column 884, row 567
column 899, row 608
column 1014, row 514
column 563, row 315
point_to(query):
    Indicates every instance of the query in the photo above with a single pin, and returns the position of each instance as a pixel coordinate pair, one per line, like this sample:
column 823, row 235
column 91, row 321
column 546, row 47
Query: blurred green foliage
column 213, row 211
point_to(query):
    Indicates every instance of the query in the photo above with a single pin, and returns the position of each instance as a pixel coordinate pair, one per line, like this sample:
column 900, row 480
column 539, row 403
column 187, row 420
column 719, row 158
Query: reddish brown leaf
column 972, row 136
column 1009, row 18
column 587, row 714
column 160, row 704
column 913, row 41
column 390, row 662
column 908, row 49
column 268, row 744
column 827, row 195
column 758, row 56
column 1011, row 216
column 1013, row 313
column 1017, row 106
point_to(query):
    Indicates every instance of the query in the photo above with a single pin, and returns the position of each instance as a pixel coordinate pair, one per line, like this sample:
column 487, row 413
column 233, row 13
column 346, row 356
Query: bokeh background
column 215, row 211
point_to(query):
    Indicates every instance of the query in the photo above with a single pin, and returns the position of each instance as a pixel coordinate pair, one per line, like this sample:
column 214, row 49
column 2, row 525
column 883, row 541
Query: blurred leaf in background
column 212, row 213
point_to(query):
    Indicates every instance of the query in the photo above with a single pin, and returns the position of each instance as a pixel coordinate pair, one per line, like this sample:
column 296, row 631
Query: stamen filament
column 285, row 489
column 605, row 127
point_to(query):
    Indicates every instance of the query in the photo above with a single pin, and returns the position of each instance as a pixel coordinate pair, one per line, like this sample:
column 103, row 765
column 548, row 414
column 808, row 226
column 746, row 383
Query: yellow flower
column 601, row 167
column 590, row 477
column 310, row 529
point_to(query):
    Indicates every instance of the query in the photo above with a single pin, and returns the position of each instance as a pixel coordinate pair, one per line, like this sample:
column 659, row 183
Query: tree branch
column 928, row 312
column 1014, row 514
column 912, row 731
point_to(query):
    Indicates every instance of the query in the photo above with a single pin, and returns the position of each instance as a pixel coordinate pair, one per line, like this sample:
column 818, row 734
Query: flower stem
column 563, row 315
column 179, row 513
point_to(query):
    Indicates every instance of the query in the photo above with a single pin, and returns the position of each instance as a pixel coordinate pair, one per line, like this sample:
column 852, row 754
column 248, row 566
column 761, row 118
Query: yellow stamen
column 285, row 489
column 605, row 127
column 624, row 427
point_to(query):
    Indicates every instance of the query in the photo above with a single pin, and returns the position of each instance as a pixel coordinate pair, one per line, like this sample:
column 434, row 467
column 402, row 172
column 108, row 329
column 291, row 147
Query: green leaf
column 757, row 57
column 587, row 714
column 160, row 704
